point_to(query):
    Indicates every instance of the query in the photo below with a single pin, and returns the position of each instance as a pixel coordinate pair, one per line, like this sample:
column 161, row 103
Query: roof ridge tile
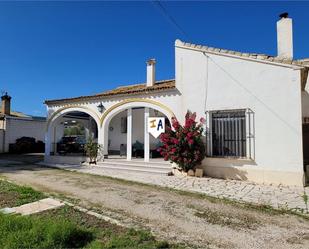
column 256, row 56
column 161, row 85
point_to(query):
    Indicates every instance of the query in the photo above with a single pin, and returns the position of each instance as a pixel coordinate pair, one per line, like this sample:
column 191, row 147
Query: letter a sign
column 156, row 126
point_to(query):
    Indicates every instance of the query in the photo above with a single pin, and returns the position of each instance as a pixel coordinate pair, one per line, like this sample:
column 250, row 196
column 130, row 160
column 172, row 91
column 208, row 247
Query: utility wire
column 252, row 94
column 178, row 27
column 206, row 83
column 169, row 17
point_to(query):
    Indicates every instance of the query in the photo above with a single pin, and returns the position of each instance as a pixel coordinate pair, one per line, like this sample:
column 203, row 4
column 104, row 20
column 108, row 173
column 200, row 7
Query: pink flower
column 175, row 141
column 175, row 123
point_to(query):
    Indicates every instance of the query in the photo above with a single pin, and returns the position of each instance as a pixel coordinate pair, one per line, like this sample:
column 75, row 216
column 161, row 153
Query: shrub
column 26, row 145
column 184, row 145
column 92, row 150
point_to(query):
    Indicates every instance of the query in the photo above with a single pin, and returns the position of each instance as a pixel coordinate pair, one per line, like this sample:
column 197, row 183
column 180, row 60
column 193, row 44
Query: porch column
column 103, row 142
column 48, row 142
column 146, row 135
column 129, row 134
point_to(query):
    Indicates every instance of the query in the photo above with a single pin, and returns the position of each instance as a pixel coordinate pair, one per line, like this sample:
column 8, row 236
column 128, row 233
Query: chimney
column 6, row 104
column 151, row 72
column 285, row 36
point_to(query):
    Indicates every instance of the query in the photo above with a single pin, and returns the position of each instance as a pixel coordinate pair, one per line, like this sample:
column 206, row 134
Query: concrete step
column 136, row 167
column 139, row 162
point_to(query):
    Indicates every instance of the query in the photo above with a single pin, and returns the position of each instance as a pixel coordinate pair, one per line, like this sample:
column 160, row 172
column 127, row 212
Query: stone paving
column 282, row 197
column 34, row 207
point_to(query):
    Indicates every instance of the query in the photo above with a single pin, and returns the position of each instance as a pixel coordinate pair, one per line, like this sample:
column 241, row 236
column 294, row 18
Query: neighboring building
column 256, row 107
column 14, row 125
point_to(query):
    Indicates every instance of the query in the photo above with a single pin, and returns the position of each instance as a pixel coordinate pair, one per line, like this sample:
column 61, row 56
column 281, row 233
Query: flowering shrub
column 184, row 145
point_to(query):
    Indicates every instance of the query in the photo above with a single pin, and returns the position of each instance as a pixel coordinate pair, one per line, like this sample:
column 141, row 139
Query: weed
column 14, row 195
column 306, row 199
column 227, row 219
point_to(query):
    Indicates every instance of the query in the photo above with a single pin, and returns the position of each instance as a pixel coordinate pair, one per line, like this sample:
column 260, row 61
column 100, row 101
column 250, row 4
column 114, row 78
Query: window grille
column 231, row 134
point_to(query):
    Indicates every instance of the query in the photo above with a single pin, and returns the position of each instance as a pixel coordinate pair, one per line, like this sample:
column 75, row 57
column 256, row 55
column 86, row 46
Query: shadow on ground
column 17, row 162
column 25, row 158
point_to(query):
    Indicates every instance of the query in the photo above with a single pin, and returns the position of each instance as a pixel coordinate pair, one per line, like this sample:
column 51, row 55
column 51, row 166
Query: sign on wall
column 156, row 126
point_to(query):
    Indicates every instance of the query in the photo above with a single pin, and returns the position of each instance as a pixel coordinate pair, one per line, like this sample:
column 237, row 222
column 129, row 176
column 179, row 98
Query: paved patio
column 285, row 197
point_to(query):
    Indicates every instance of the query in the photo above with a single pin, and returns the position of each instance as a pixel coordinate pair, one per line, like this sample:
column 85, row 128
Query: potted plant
column 92, row 149
column 183, row 144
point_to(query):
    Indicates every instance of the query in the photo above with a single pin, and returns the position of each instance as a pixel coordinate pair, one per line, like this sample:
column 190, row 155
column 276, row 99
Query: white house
column 14, row 125
column 256, row 107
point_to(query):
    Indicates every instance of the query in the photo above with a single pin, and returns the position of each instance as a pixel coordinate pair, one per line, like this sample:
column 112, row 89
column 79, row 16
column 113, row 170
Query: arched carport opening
column 125, row 130
column 69, row 130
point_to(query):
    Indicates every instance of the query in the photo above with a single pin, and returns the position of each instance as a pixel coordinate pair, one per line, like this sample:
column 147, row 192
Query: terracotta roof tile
column 159, row 86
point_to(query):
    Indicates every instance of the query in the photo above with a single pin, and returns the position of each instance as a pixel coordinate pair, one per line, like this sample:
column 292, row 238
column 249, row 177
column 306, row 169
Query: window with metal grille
column 229, row 133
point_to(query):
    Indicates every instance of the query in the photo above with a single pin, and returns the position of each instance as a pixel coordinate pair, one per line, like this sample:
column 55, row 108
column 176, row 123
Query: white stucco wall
column 214, row 82
column 117, row 138
column 208, row 82
column 1, row 140
column 21, row 127
column 305, row 98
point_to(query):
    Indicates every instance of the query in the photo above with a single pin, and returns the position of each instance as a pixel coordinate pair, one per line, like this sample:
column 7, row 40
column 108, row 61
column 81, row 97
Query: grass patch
column 12, row 195
column 32, row 232
column 108, row 235
column 64, row 227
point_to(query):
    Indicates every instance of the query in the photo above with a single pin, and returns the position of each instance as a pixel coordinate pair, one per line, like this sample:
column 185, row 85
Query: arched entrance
column 125, row 129
column 68, row 130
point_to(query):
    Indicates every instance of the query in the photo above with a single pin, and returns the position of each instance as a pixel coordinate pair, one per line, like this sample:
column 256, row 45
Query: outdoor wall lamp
column 101, row 107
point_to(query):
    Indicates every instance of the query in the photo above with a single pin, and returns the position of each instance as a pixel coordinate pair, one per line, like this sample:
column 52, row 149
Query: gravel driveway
column 177, row 217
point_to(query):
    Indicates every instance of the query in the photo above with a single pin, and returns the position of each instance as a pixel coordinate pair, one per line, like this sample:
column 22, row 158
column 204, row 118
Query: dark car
column 71, row 144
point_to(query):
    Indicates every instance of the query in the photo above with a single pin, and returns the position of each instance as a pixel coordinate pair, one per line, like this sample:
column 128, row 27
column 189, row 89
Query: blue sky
column 54, row 50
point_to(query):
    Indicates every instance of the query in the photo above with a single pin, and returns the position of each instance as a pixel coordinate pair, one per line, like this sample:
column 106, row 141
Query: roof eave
column 204, row 49
column 101, row 97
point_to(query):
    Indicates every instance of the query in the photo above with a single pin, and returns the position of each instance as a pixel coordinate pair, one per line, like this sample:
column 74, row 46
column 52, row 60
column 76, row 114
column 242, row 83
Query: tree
column 184, row 144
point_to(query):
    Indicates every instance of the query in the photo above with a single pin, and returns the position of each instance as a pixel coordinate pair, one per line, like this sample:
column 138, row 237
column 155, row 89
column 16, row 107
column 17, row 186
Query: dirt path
column 170, row 215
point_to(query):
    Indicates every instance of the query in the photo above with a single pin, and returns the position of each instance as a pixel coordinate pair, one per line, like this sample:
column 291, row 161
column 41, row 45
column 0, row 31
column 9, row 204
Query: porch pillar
column 103, row 142
column 48, row 142
column 146, row 135
column 129, row 134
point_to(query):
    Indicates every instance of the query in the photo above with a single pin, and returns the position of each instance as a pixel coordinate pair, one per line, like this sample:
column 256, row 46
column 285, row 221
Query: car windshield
column 80, row 140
